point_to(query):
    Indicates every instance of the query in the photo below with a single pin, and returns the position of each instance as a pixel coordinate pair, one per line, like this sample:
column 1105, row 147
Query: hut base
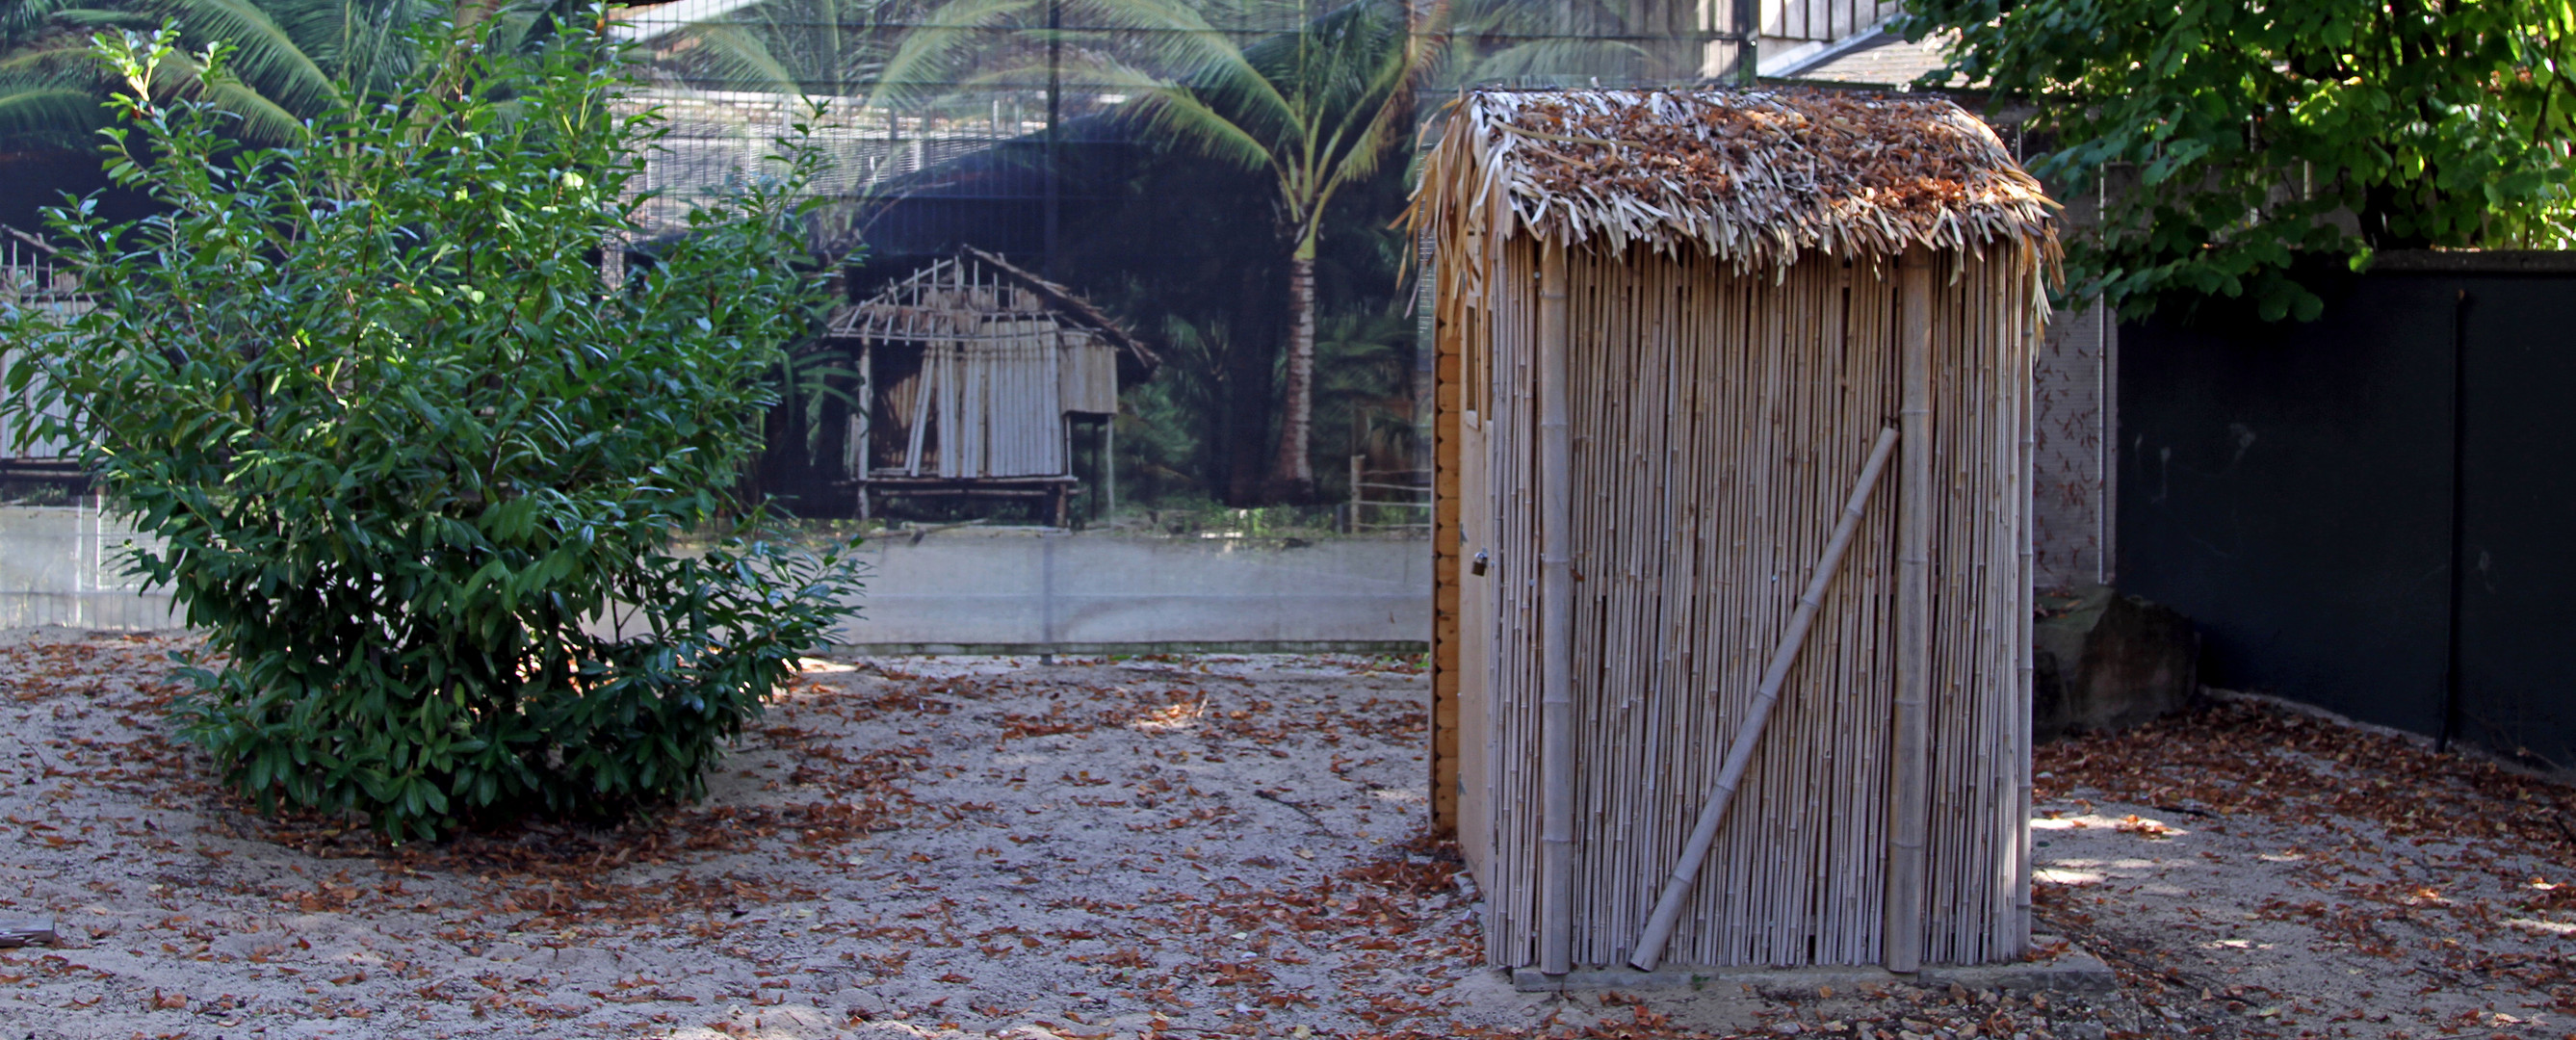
column 1055, row 493
column 2070, row 970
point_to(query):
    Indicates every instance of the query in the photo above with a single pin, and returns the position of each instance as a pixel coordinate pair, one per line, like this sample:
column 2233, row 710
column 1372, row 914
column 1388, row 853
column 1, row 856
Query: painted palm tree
column 828, row 51
column 49, row 84
column 1567, row 42
column 294, row 59
column 1317, row 102
column 816, row 48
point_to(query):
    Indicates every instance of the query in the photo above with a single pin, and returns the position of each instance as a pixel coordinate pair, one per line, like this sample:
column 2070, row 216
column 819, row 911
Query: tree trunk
column 1292, row 474
column 1246, row 397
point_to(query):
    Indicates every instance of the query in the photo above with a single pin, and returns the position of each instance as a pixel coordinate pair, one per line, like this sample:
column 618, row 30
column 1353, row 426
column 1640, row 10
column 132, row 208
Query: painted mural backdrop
column 1222, row 177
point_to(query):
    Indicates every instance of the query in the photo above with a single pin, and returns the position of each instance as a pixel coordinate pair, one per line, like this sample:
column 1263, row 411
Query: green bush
column 416, row 469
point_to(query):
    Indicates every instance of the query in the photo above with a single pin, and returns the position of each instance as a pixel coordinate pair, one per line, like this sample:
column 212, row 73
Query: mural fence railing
column 29, row 278
column 1387, row 500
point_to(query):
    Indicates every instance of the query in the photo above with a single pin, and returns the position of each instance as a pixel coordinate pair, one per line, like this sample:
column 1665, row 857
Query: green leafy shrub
column 416, row 469
column 2246, row 150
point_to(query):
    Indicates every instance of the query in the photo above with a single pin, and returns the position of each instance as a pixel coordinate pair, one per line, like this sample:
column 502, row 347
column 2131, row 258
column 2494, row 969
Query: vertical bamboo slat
column 1556, row 619
column 1908, row 777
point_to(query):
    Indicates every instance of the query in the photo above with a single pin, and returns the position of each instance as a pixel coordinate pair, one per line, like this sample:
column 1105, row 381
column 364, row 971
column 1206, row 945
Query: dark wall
column 2292, row 488
column 2518, row 558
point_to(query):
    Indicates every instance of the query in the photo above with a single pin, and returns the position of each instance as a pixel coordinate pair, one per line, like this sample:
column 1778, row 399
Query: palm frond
column 67, row 57
column 1553, row 60
column 945, row 47
column 48, row 107
column 1182, row 113
column 267, row 57
column 1370, row 104
column 261, row 119
column 102, row 18
column 736, row 50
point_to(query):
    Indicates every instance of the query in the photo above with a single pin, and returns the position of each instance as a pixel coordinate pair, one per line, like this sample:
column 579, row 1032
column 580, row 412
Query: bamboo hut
column 1733, row 609
column 978, row 376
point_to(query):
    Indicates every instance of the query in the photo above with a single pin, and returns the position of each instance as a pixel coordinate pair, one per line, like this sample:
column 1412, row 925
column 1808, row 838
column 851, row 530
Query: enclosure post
column 1739, row 752
column 1046, row 596
column 1052, row 208
column 1556, row 622
column 1748, row 47
column 1109, row 467
column 1910, row 765
column 1356, row 473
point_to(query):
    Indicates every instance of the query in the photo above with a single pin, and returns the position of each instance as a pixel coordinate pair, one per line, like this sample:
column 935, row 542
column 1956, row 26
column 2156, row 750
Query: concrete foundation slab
column 2068, row 970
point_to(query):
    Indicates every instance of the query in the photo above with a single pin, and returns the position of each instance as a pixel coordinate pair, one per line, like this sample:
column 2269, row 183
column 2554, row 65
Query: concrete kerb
column 2068, row 970
column 1362, row 647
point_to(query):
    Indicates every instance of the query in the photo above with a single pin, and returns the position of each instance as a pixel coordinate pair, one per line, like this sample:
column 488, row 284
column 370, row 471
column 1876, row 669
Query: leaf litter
column 1186, row 847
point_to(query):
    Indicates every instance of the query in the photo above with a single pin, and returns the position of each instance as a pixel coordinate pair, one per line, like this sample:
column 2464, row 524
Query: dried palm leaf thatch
column 1756, row 177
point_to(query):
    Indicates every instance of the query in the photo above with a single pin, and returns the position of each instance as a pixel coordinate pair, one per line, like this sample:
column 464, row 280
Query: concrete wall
column 60, row 566
column 1006, row 588
column 961, row 590
column 2073, row 451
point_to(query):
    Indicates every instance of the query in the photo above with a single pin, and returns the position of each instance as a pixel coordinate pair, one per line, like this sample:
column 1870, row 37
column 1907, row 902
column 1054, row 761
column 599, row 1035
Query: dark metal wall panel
column 2518, row 530
column 2288, row 487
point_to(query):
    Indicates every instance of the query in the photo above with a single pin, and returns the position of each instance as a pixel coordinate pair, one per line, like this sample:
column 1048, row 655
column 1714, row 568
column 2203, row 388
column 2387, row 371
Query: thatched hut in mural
column 1733, row 412
column 979, row 378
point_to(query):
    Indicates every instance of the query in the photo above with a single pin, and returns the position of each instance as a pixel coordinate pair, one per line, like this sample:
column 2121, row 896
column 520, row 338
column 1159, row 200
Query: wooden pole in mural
column 1556, row 621
column 1739, row 754
column 1909, row 771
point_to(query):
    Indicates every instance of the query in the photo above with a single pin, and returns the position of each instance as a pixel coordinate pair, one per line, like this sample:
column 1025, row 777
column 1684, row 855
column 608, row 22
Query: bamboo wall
column 1719, row 419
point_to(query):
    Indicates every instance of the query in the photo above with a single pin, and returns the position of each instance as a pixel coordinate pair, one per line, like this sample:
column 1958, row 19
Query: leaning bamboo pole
column 1556, row 621
column 1910, row 769
column 1685, row 875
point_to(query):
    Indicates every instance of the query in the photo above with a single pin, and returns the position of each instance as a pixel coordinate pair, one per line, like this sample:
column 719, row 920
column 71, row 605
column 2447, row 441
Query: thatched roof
column 1755, row 176
column 974, row 292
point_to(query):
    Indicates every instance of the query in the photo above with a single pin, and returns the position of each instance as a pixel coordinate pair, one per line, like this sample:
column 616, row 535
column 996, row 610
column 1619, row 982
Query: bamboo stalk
column 2018, row 703
column 1909, row 771
column 1668, row 907
column 1556, row 618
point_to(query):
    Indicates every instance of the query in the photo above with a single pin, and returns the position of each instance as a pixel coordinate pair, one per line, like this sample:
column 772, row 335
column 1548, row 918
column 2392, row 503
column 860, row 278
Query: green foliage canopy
column 414, row 467
column 2242, row 140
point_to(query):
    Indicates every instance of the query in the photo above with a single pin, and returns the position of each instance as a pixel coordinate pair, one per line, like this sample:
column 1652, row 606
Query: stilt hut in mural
column 979, row 377
column 1733, row 625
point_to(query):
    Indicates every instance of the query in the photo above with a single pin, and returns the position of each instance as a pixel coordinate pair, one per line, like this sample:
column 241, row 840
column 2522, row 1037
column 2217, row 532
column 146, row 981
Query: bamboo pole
column 1909, row 772
column 2018, row 702
column 1668, row 907
column 1556, row 620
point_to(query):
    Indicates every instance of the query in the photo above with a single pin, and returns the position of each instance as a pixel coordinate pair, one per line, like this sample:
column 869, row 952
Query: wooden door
column 1475, row 643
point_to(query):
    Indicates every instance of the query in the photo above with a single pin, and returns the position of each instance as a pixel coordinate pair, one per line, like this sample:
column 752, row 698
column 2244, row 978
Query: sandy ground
column 1178, row 848
column 2270, row 872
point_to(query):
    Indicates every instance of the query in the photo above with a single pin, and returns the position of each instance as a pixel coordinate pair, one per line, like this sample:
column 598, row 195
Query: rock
column 2105, row 661
column 28, row 932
